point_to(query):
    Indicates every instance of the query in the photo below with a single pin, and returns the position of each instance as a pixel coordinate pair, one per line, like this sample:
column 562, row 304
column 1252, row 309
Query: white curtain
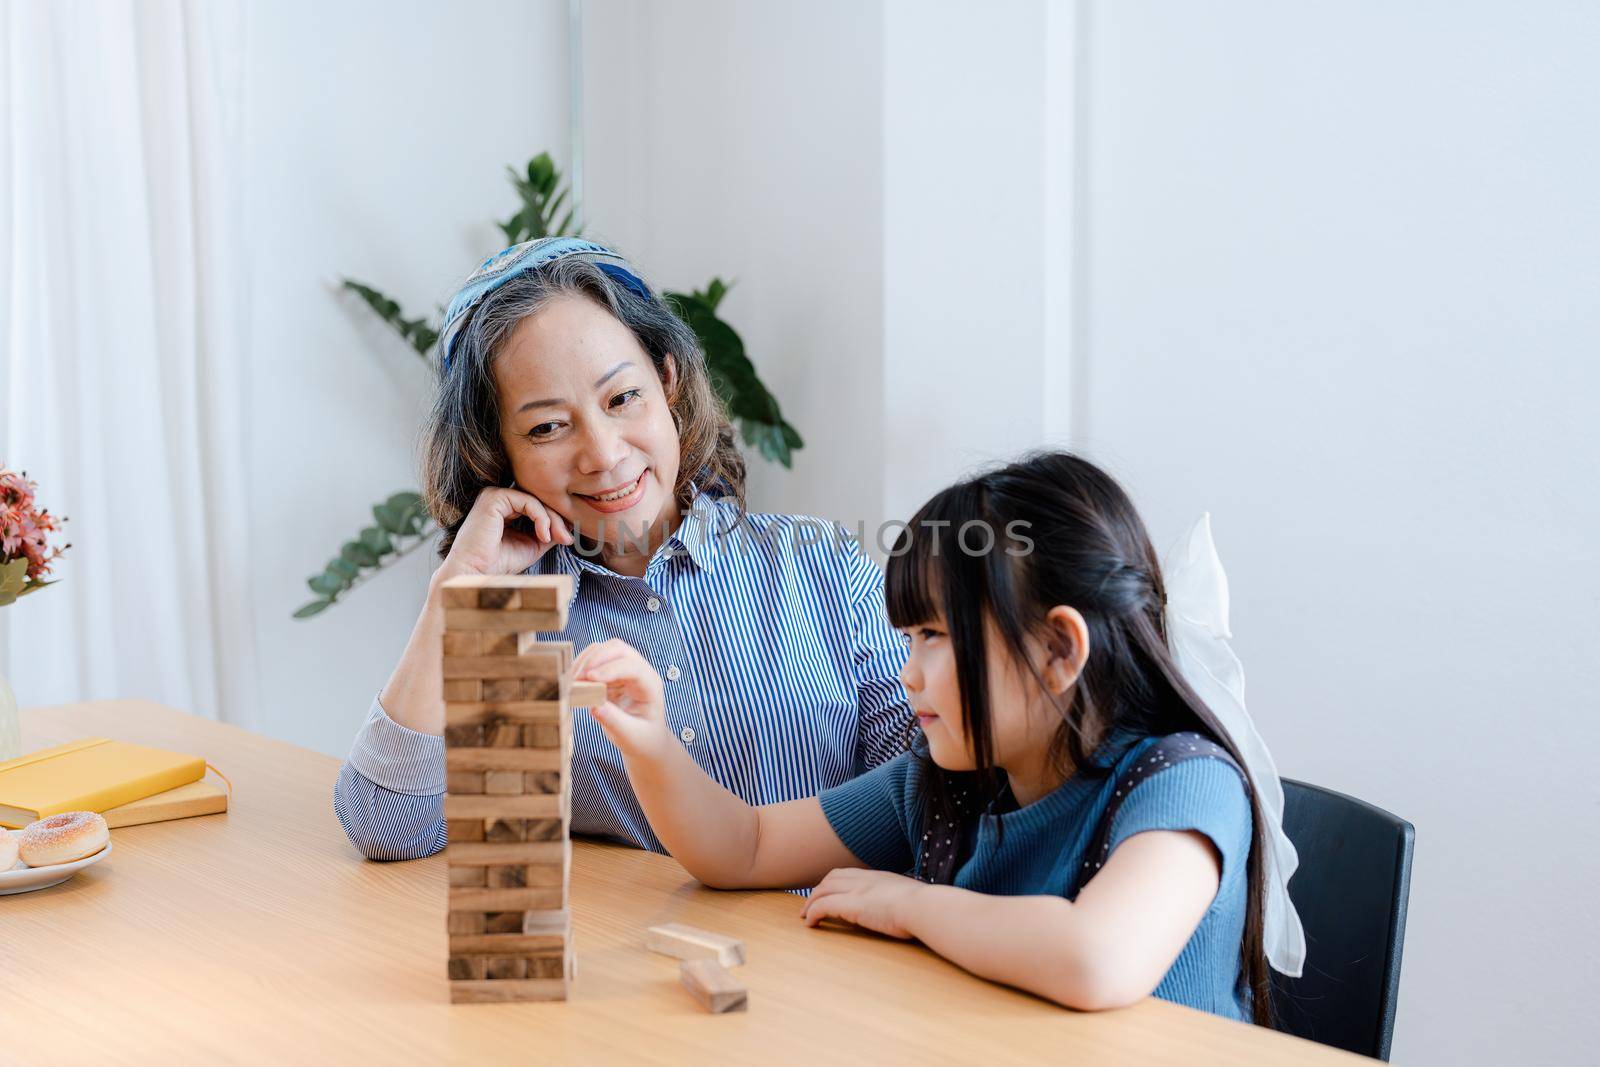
column 123, row 311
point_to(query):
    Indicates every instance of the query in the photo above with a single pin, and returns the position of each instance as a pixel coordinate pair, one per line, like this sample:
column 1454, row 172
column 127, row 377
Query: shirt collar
column 698, row 536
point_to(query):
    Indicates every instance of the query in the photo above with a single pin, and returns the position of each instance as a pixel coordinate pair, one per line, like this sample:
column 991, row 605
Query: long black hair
column 1058, row 530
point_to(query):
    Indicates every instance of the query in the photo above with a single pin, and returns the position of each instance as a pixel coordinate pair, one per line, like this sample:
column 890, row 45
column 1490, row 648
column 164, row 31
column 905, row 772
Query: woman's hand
column 876, row 900
column 488, row 544
column 634, row 715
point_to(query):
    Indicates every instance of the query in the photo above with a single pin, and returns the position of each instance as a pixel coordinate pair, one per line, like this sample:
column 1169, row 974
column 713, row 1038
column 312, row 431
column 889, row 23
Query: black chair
column 1351, row 890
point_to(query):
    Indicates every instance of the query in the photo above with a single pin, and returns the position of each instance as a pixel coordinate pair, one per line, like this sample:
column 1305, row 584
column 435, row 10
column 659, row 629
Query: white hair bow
column 1197, row 632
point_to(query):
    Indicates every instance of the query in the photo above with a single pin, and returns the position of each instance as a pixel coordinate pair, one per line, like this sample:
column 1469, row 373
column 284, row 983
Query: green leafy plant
column 545, row 210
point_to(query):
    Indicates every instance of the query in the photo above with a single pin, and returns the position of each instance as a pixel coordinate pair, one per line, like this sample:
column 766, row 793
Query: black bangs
column 919, row 578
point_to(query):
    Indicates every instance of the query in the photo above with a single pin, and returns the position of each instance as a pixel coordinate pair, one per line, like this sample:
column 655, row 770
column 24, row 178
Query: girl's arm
column 719, row 839
column 1109, row 948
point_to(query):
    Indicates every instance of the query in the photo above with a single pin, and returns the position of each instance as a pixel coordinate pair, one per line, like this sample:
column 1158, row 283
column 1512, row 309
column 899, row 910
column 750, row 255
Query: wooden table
column 263, row 936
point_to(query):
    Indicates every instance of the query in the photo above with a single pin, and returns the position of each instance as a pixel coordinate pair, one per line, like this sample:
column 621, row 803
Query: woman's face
column 585, row 422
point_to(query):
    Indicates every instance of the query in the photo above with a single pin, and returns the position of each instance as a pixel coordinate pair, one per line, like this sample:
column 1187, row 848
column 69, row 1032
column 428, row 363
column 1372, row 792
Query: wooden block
column 464, row 830
column 690, row 943
column 491, row 991
column 468, row 967
column 511, row 875
column 469, row 877
column 540, row 806
column 490, row 853
column 532, row 642
column 530, row 666
column 547, row 923
column 495, row 689
column 541, row 781
column 550, row 967
column 712, row 985
column 503, row 900
column 463, row 642
column 505, row 830
column 505, row 621
column 545, row 735
column 506, row 877
column 511, row 831
column 467, row 736
column 545, row 875
column 545, row 829
column 543, row 591
column 498, row 598
column 586, row 694
column 482, row 712
column 541, row 689
column 465, row 922
column 529, row 760
column 502, row 735
column 457, row 597
column 463, row 689
column 502, row 922
column 505, row 967
column 509, row 945
column 503, row 783
column 460, row 782
column 493, row 644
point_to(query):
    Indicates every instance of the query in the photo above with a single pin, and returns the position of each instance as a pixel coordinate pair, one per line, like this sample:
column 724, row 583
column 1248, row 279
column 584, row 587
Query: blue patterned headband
column 519, row 259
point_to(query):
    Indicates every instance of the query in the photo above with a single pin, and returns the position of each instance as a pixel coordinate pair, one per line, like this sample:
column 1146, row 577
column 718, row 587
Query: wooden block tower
column 507, row 806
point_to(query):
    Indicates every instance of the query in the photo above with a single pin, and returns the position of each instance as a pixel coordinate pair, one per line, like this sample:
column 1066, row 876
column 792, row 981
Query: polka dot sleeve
column 1205, row 795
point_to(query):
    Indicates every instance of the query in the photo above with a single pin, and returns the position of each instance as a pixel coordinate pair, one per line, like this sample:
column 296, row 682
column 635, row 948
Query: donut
column 8, row 849
column 72, row 835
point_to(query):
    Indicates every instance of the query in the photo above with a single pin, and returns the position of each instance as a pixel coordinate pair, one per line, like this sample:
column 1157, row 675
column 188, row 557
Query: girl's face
column 1023, row 716
column 585, row 422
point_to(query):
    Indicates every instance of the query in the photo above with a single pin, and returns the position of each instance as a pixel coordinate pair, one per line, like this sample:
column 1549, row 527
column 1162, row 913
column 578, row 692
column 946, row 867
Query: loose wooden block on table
column 690, row 942
column 713, row 986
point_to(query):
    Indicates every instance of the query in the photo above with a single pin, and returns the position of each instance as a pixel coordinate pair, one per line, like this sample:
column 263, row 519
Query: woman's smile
column 619, row 499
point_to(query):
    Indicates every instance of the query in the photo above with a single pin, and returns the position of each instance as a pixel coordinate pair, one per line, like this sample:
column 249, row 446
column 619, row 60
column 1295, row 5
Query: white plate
column 22, row 879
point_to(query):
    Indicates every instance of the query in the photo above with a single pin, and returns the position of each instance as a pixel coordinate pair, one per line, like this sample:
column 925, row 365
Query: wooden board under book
column 204, row 797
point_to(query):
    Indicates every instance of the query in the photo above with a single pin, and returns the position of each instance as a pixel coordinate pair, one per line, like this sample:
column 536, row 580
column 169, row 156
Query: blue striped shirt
column 780, row 668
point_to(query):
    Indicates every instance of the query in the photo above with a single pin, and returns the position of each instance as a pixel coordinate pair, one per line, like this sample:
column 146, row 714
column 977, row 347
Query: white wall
column 744, row 141
column 1342, row 272
column 380, row 136
column 1330, row 275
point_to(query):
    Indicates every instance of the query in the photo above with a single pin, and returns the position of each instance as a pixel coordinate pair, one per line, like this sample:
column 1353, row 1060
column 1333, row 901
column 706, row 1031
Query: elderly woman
column 576, row 432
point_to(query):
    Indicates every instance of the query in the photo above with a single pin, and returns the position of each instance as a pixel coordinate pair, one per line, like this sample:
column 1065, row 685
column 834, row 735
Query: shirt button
column 672, row 673
column 653, row 604
column 687, row 733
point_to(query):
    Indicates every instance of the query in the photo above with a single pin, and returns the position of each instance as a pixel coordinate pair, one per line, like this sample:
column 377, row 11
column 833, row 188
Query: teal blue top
column 878, row 816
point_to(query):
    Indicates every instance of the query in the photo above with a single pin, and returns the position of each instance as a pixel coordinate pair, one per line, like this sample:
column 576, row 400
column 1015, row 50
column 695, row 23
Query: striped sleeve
column 879, row 653
column 389, row 796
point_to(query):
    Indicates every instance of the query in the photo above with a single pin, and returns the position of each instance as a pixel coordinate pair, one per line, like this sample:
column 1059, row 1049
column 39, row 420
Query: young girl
column 1071, row 819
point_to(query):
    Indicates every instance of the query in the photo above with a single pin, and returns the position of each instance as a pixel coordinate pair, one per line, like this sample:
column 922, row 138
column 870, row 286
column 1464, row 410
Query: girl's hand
column 876, row 900
column 487, row 544
column 634, row 716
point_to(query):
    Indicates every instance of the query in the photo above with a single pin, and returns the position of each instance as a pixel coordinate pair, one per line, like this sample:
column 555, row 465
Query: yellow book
column 89, row 775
